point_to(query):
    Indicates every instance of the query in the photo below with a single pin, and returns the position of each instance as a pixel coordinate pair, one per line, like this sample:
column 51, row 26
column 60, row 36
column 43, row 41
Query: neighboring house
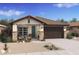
column 74, row 24
column 37, row 26
column 74, row 27
column 2, row 27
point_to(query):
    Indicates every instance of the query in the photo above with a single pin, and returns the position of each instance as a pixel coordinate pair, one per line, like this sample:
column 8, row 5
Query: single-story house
column 74, row 24
column 74, row 27
column 38, row 26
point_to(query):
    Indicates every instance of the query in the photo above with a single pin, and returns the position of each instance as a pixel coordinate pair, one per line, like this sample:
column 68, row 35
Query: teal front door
column 33, row 31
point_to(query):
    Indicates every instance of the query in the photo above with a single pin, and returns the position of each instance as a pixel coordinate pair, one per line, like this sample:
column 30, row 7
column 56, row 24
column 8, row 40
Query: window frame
column 22, row 31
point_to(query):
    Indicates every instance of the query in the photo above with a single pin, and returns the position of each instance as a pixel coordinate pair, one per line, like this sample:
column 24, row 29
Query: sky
column 53, row 11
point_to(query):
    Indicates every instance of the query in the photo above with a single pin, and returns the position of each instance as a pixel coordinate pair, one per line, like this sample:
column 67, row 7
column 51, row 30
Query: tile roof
column 50, row 22
column 74, row 24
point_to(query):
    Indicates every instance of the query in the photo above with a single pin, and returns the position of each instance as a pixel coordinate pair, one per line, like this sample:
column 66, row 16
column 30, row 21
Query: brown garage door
column 53, row 32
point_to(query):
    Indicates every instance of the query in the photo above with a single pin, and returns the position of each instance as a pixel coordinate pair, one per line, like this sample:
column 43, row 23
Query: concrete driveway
column 70, row 47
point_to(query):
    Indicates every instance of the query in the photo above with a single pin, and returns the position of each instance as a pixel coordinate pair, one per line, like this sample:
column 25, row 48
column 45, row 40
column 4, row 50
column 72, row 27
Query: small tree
column 74, row 20
column 62, row 20
column 5, row 36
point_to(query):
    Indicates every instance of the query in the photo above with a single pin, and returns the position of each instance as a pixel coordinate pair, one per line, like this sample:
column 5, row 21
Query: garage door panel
column 53, row 32
column 53, row 35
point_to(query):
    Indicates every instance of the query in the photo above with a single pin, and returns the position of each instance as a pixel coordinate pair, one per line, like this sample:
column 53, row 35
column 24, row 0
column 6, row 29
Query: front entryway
column 33, row 31
column 22, row 32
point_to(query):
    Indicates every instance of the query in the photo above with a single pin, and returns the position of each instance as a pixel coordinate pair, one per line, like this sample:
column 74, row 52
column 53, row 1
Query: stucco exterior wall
column 40, row 31
column 41, row 34
column 65, row 31
column 25, row 21
column 30, row 29
column 14, row 32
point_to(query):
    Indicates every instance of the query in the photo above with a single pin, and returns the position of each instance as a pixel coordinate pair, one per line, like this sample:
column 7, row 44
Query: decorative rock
column 3, row 51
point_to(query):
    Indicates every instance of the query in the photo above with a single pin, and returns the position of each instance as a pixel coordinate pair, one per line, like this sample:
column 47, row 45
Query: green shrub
column 3, row 38
column 46, row 46
column 74, row 34
column 70, row 35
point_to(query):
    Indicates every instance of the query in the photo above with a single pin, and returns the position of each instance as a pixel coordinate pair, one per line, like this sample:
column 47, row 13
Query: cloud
column 66, row 5
column 11, row 12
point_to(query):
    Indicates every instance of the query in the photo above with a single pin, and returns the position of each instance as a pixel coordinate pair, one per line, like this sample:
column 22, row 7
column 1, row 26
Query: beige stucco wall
column 30, row 29
column 65, row 31
column 38, row 28
column 14, row 32
column 25, row 23
column 41, row 32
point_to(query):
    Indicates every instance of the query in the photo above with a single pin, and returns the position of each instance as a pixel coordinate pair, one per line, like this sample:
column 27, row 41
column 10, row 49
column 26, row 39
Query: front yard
column 68, row 47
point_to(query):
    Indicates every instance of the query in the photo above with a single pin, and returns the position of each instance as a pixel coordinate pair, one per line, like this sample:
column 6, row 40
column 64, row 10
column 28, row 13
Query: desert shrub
column 70, row 35
column 51, row 47
column 74, row 34
column 46, row 46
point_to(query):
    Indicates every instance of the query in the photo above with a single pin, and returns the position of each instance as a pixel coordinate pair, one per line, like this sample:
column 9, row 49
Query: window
column 22, row 31
column 28, row 20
